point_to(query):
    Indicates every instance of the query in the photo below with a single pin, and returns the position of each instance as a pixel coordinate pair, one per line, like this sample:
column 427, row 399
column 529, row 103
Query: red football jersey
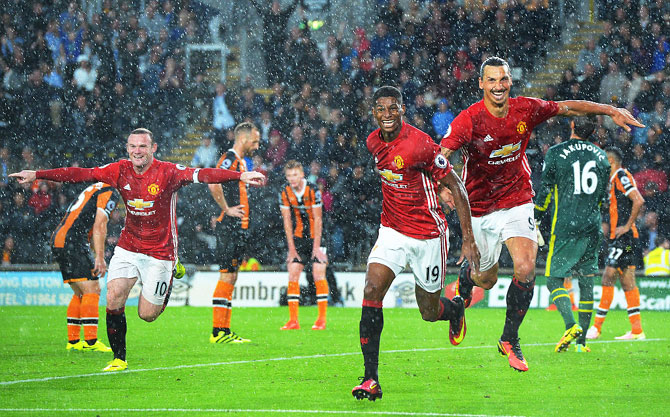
column 151, row 201
column 496, row 170
column 410, row 167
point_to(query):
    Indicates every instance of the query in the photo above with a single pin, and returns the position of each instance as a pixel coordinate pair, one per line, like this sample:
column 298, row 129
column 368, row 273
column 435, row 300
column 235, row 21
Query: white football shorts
column 427, row 258
column 154, row 274
column 493, row 229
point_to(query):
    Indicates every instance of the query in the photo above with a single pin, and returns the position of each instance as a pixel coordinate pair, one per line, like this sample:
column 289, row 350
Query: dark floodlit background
column 78, row 76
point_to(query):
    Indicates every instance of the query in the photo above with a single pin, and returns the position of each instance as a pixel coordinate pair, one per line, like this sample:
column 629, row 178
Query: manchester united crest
column 521, row 128
column 399, row 163
column 153, row 189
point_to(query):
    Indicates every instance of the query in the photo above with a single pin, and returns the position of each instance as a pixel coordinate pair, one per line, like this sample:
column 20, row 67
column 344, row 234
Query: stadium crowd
column 75, row 83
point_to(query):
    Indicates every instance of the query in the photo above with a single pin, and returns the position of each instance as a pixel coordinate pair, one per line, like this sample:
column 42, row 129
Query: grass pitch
column 174, row 371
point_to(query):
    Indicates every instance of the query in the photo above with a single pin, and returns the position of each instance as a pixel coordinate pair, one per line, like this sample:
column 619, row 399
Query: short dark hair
column 584, row 126
column 143, row 131
column 493, row 61
column 615, row 153
column 244, row 127
column 387, row 91
column 660, row 239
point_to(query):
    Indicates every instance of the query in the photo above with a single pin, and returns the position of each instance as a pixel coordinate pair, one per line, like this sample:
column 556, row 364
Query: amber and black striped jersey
column 622, row 184
column 235, row 193
column 76, row 226
column 302, row 207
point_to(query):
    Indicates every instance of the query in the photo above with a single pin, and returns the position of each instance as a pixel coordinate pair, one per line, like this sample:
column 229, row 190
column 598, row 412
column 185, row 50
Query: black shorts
column 304, row 246
column 76, row 263
column 623, row 252
column 231, row 244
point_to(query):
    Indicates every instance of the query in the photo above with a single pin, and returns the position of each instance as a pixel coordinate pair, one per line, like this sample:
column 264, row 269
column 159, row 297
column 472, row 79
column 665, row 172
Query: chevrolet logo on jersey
column 390, row 176
column 506, row 150
column 140, row 204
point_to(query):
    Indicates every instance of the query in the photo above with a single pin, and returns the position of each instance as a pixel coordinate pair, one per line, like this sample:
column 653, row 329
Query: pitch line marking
column 227, row 410
column 281, row 359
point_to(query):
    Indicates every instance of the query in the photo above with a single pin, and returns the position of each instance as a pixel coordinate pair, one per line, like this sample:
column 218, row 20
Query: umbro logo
column 127, row 187
column 488, row 138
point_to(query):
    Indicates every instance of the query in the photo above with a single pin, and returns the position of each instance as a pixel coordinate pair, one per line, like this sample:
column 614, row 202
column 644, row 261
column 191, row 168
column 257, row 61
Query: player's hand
column 540, row 238
column 236, row 211
column 447, row 197
column 100, row 267
column 319, row 255
column 620, row 231
column 252, row 178
column 292, row 254
column 25, row 177
column 470, row 251
column 623, row 118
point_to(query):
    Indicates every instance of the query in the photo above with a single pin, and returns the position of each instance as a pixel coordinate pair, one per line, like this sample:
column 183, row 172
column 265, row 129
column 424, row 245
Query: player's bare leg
column 519, row 295
column 117, row 294
column 295, row 268
column 434, row 308
column 467, row 279
column 319, row 272
column 378, row 279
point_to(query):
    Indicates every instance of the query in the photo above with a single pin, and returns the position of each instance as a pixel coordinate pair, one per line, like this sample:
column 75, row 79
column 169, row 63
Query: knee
column 525, row 271
column 148, row 317
column 488, row 279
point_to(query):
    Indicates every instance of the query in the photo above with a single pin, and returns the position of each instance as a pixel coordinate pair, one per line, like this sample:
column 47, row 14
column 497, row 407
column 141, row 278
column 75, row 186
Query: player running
column 413, row 230
column 575, row 176
column 300, row 205
column 147, row 246
column 83, row 227
column 623, row 248
column 492, row 135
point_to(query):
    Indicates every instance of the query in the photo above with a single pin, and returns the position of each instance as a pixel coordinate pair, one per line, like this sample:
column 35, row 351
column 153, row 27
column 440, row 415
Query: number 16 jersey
column 575, row 175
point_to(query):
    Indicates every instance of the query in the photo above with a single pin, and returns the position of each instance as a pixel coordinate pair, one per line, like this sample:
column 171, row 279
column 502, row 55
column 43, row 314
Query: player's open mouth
column 388, row 123
column 498, row 94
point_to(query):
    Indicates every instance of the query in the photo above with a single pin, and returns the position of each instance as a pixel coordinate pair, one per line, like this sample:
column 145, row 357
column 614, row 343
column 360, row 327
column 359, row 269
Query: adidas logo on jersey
column 488, row 138
column 127, row 187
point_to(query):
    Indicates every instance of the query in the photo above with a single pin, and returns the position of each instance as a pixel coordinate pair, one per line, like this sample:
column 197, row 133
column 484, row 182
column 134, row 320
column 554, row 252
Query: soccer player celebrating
column 232, row 230
column 575, row 175
column 147, row 246
column 300, row 205
column 83, row 227
column 493, row 134
column 413, row 230
column 623, row 248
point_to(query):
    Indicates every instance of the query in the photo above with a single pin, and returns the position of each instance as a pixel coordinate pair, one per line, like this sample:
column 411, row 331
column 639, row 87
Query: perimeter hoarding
column 263, row 289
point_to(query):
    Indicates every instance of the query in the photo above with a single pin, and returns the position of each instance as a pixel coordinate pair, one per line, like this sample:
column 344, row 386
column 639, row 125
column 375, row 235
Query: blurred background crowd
column 78, row 76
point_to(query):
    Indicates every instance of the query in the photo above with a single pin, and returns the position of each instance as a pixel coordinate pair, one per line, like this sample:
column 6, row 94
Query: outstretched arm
column 217, row 175
column 70, row 174
column 469, row 250
column 620, row 116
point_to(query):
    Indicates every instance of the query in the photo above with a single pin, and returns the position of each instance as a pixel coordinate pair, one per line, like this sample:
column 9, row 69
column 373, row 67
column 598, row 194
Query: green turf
column 419, row 371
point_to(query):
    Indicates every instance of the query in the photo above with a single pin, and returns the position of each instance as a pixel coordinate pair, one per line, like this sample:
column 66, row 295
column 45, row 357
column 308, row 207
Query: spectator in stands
column 85, row 76
column 587, row 55
column 223, row 116
column 275, row 22
column 613, row 86
column 206, row 154
column 442, row 119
